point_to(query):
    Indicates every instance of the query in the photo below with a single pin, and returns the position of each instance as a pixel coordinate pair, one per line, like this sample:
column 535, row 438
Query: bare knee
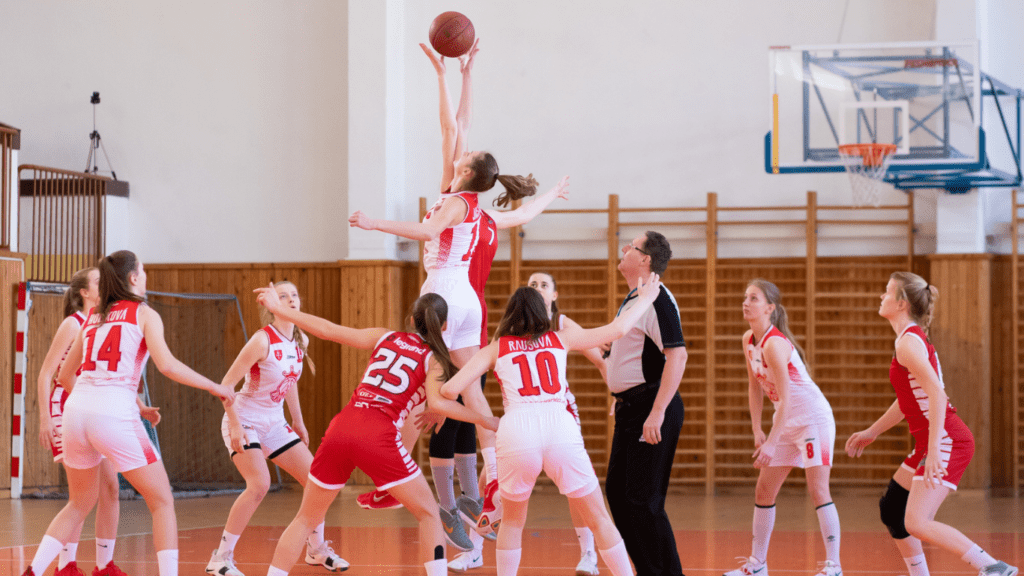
column 764, row 494
column 424, row 510
column 109, row 491
column 257, row 488
column 915, row 524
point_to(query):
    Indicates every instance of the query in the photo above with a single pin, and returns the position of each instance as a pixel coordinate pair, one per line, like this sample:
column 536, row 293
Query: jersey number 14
column 109, row 352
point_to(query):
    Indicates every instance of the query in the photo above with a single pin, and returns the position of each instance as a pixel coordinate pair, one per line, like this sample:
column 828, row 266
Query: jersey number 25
column 390, row 371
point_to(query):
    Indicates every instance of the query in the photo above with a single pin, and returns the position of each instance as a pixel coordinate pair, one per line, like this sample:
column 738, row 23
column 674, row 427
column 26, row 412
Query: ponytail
column 919, row 295
column 73, row 301
column 429, row 313
column 485, row 176
column 115, row 271
column 779, row 318
column 516, row 188
column 298, row 336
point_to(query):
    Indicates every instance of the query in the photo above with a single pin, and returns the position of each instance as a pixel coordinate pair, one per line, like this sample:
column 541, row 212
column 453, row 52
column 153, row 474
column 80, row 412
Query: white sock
column 828, row 522
column 476, row 539
column 508, row 561
column 67, row 555
column 227, row 543
column 978, row 558
column 586, row 538
column 434, row 568
column 617, row 560
column 490, row 463
column 167, row 560
column 917, row 565
column 49, row 548
column 764, row 522
column 316, row 537
column 276, row 572
column 104, row 551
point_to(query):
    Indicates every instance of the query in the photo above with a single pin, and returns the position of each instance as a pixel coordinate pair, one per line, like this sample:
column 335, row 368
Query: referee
column 645, row 368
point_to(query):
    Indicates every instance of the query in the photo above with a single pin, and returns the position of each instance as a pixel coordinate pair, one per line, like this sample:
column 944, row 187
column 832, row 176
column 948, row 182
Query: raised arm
column 647, row 292
column 530, row 210
column 464, row 115
column 452, row 212
column 365, row 338
column 477, row 366
column 62, row 340
column 593, row 354
column 449, row 130
column 153, row 329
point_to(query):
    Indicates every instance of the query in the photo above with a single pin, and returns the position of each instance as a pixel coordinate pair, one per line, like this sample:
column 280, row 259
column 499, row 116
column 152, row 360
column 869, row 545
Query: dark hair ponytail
column 525, row 315
column 115, row 270
column 73, row 301
column 485, row 175
column 429, row 313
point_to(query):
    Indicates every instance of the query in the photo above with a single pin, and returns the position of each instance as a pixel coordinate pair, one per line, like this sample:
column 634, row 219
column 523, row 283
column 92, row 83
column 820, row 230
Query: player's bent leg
column 769, row 482
column 591, row 511
column 416, row 496
column 922, row 504
column 254, row 470
column 380, row 500
column 315, row 501
column 588, row 554
column 151, row 482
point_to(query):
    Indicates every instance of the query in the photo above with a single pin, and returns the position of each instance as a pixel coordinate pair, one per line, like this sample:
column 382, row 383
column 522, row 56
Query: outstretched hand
column 858, row 442
column 267, row 296
column 437, row 61
column 466, row 60
column 561, row 189
column 360, row 220
column 648, row 287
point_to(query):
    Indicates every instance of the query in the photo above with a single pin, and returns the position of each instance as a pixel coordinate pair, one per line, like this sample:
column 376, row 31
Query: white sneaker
column 829, row 568
column 223, row 564
column 998, row 569
column 467, row 561
column 588, row 564
column 751, row 567
column 325, row 556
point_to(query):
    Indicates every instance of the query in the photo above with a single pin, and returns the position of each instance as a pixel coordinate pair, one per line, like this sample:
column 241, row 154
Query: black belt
column 636, row 392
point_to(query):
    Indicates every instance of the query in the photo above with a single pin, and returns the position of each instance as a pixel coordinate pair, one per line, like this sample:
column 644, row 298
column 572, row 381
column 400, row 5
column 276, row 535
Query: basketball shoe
column 998, row 569
column 751, row 567
column 28, row 572
column 223, row 565
column 110, row 569
column 454, row 530
column 588, row 564
column 325, row 556
column 70, row 569
column 490, row 515
column 470, row 510
column 377, row 500
column 467, row 561
column 830, row 568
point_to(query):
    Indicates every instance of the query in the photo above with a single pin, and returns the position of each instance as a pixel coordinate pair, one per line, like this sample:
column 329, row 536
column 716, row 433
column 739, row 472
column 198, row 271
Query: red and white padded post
column 18, row 406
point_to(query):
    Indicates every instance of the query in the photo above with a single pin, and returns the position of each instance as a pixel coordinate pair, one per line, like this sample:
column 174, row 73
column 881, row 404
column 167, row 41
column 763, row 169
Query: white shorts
column 806, row 446
column 464, row 314
column 114, row 431
column 272, row 434
column 542, row 437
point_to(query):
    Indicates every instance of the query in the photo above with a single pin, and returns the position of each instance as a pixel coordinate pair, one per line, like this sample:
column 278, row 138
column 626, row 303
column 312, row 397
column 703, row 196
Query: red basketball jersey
column 114, row 353
column 480, row 266
column 394, row 380
column 911, row 397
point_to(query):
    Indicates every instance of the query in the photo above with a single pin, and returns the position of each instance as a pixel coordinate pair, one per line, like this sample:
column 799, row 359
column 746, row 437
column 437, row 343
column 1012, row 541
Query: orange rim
column 872, row 153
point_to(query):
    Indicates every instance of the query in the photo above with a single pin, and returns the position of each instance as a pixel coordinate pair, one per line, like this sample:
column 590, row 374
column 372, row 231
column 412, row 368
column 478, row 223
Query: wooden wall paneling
column 10, row 277
column 710, row 348
column 1017, row 411
column 1002, row 405
column 961, row 334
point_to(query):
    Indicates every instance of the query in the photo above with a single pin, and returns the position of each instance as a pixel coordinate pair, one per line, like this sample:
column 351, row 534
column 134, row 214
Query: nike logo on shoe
column 758, row 570
column 381, row 497
column 447, row 529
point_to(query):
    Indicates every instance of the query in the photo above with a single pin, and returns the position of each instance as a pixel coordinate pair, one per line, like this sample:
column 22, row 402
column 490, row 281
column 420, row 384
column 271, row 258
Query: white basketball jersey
column 80, row 318
column 531, row 371
column 806, row 402
column 453, row 248
column 114, row 352
column 271, row 378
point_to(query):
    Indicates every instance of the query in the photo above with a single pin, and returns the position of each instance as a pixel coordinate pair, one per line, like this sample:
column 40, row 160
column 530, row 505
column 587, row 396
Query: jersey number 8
column 390, row 371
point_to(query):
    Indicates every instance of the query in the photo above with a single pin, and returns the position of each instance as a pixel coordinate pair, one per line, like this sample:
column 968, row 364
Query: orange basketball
column 451, row 34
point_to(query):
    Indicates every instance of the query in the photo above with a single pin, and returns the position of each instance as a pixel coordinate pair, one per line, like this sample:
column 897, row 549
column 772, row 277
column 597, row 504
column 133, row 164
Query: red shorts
column 956, row 445
column 365, row 438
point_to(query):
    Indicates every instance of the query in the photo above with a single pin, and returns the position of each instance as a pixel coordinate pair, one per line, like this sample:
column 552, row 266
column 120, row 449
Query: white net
column 866, row 165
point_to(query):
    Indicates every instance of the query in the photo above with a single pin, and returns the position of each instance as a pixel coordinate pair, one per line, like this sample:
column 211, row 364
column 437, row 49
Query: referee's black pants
column 637, row 481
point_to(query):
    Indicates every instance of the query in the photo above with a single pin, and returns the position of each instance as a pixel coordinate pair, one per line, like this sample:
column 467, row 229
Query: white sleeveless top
column 114, row 353
column 453, row 248
column 531, row 371
column 270, row 379
column 807, row 405
column 80, row 318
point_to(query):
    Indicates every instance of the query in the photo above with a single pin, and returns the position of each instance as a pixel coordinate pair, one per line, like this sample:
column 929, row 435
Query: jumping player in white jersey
column 803, row 430
column 405, row 369
column 450, row 231
column 943, row 445
column 545, row 284
column 82, row 295
column 537, row 432
column 101, row 417
column 254, row 428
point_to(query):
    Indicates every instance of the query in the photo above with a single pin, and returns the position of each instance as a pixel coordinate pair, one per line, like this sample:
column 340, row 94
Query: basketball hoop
column 866, row 165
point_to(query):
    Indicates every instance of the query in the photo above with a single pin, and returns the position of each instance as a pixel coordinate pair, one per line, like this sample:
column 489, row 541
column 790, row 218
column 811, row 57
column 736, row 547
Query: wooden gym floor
column 711, row 532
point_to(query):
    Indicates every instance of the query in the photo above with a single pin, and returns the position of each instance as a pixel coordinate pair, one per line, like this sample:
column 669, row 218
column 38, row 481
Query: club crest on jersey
column 290, row 378
column 278, row 354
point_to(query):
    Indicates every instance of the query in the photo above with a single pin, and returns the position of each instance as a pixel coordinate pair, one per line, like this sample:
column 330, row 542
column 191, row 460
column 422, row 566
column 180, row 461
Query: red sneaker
column 378, row 500
column 490, row 516
column 110, row 569
column 28, row 572
column 71, row 569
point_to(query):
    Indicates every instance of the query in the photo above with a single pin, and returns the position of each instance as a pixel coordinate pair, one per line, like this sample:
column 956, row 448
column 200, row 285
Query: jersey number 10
column 547, row 369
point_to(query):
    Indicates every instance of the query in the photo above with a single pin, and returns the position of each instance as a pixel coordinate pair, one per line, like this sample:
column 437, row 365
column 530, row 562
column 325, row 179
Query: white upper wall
column 226, row 116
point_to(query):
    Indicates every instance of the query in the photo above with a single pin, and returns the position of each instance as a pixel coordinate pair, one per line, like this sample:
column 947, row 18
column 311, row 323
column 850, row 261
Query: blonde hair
column 73, row 301
column 919, row 295
column 297, row 334
column 779, row 318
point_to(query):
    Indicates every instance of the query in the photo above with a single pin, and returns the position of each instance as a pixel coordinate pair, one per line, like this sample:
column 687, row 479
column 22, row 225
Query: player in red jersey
column 803, row 429
column 451, row 231
column 405, row 369
column 255, row 430
column 943, row 445
column 82, row 295
column 537, row 432
column 102, row 418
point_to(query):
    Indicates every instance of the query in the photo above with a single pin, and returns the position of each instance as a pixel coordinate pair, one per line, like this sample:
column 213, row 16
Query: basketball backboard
column 924, row 97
